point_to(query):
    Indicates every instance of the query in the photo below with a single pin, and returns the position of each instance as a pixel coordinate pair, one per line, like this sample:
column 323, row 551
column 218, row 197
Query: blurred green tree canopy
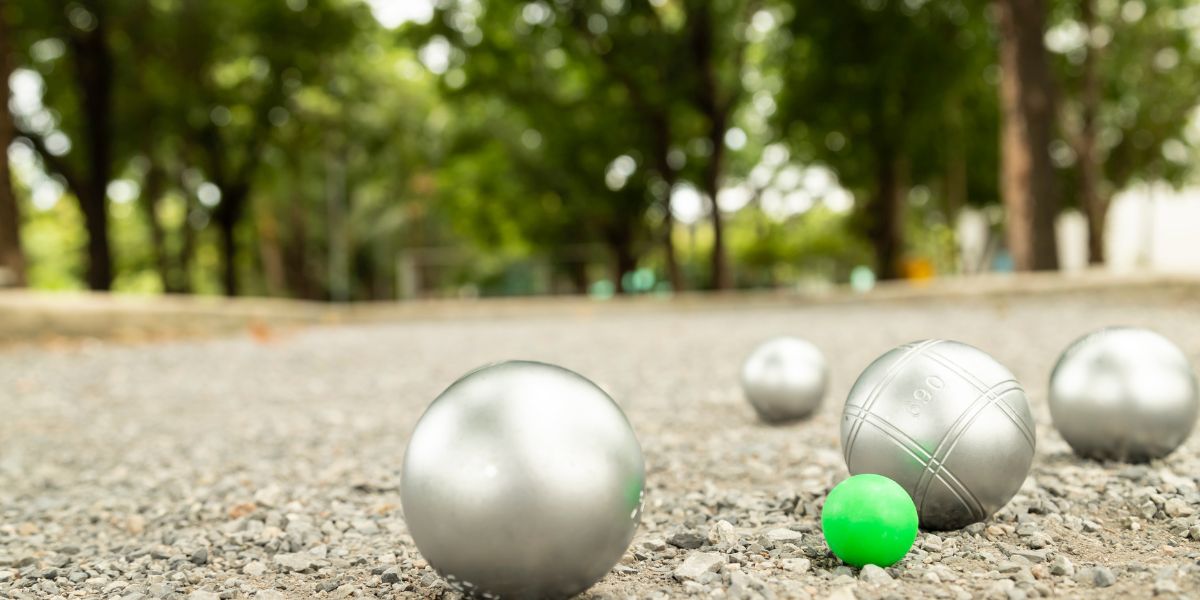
column 354, row 150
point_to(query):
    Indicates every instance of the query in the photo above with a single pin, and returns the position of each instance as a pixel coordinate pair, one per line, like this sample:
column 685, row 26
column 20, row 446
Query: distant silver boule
column 785, row 379
column 522, row 480
column 945, row 421
column 1123, row 394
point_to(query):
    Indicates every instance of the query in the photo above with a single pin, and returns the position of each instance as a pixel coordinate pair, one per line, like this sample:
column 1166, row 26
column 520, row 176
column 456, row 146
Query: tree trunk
column 722, row 277
column 228, row 256
column 295, row 252
column 11, row 257
column 623, row 260
column 338, row 240
column 1027, row 104
column 187, row 246
column 93, row 67
column 152, row 191
column 578, row 274
column 717, row 113
column 662, row 147
column 1095, row 205
column 271, row 254
column 227, row 215
column 886, row 228
column 95, row 218
column 674, row 272
column 956, row 163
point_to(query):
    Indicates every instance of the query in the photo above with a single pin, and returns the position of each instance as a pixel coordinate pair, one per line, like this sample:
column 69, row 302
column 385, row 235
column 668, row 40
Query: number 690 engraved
column 922, row 395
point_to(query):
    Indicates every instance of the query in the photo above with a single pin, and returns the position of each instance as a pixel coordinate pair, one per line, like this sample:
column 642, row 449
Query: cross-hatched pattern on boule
column 947, row 422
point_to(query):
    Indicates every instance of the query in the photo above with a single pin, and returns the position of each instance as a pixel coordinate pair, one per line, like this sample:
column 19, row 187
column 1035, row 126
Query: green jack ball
column 869, row 520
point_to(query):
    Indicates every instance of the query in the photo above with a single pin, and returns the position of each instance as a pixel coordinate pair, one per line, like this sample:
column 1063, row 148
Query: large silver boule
column 948, row 423
column 784, row 379
column 1123, row 394
column 522, row 480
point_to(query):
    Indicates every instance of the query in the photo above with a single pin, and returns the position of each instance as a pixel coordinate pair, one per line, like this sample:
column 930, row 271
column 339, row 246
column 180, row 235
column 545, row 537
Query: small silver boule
column 522, row 480
column 1124, row 394
column 784, row 379
column 948, row 423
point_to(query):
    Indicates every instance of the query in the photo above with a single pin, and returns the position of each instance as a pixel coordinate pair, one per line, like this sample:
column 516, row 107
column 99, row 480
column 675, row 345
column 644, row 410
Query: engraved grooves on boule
column 983, row 387
column 914, row 351
column 988, row 397
column 914, row 449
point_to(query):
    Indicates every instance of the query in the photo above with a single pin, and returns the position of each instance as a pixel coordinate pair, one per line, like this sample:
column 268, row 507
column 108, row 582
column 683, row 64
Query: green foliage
column 817, row 245
column 516, row 147
column 51, row 240
column 547, row 151
column 1147, row 58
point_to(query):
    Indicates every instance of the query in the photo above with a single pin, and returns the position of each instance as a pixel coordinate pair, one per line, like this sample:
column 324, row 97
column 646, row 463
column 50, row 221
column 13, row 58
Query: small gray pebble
column 688, row 540
column 874, row 574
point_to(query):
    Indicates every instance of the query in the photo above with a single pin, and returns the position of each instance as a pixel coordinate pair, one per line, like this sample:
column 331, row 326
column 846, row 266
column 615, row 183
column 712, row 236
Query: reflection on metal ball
column 945, row 421
column 785, row 379
column 522, row 480
column 1123, row 394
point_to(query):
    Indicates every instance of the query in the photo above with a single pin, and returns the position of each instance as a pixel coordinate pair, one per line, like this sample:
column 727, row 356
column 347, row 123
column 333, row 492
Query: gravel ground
column 267, row 466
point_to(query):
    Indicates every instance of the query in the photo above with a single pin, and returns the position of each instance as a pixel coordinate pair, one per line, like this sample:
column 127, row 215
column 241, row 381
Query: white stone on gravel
column 874, row 574
column 795, row 565
column 299, row 561
column 782, row 535
column 1062, row 566
column 697, row 564
column 1097, row 576
column 254, row 569
column 845, row 592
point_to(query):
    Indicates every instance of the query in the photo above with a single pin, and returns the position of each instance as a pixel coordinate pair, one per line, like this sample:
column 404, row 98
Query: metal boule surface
column 522, row 480
column 785, row 379
column 948, row 423
column 1125, row 394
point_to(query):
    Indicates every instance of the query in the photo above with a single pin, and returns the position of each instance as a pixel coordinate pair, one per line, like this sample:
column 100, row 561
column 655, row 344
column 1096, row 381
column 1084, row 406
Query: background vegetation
column 350, row 150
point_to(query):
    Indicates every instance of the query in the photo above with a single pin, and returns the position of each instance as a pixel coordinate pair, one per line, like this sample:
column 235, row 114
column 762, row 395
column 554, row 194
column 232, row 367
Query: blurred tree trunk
column 173, row 267
column 1095, row 204
column 956, row 163
column 234, row 182
column 670, row 177
column 722, row 278
column 153, row 187
column 295, row 252
column 886, row 227
column 624, row 260
column 227, row 215
column 578, row 275
column 92, row 62
column 337, row 236
column 187, row 245
column 11, row 256
column 94, row 70
column 271, row 253
column 1027, row 105
column 717, row 112
column 658, row 119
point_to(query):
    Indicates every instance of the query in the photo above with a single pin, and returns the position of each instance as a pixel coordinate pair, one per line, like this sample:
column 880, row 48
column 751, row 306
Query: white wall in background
column 1150, row 228
column 1154, row 227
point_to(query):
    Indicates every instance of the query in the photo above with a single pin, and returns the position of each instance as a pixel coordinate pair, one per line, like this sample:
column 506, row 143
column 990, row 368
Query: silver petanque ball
column 522, row 480
column 784, row 379
column 945, row 421
column 1123, row 394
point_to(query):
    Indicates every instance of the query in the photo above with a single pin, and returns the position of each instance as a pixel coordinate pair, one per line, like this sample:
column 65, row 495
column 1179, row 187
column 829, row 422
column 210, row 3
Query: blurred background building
column 347, row 150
